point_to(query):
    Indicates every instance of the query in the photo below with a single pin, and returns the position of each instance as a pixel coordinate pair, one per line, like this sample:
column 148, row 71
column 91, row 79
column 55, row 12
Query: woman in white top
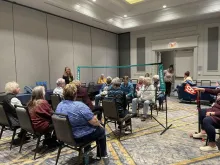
column 145, row 95
column 168, row 78
column 60, row 85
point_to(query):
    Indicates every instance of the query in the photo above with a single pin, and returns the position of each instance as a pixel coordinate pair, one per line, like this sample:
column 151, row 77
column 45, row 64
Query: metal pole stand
column 165, row 127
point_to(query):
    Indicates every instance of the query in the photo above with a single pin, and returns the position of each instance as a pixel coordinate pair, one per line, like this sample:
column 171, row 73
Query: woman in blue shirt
column 85, row 126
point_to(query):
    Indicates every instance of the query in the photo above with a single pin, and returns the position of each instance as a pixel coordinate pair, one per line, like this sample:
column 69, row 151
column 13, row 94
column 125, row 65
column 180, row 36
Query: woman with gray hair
column 40, row 110
column 145, row 95
column 60, row 85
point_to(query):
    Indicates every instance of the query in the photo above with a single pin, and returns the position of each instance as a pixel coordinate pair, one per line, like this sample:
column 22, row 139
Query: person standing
column 168, row 78
column 67, row 75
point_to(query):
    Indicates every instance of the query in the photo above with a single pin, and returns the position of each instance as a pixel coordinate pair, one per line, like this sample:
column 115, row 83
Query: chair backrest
column 63, row 128
column 109, row 109
column 55, row 100
column 91, row 87
column 24, row 118
column 4, row 120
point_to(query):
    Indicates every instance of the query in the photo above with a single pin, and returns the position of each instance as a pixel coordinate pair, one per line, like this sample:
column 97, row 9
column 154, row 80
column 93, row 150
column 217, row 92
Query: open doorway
column 182, row 60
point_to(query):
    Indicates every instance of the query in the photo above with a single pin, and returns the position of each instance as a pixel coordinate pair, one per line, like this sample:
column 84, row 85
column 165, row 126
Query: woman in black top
column 67, row 75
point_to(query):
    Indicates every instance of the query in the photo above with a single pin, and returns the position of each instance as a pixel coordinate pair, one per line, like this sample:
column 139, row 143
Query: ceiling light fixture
column 125, row 16
column 110, row 20
column 93, row 0
column 78, row 6
column 164, row 6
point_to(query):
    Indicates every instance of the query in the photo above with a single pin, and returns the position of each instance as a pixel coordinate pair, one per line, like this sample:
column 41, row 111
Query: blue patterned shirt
column 79, row 114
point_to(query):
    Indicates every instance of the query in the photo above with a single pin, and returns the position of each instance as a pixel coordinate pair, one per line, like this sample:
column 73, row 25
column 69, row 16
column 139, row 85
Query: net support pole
column 162, row 88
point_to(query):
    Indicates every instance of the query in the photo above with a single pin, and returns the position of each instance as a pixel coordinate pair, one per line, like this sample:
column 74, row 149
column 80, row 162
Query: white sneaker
column 209, row 148
column 199, row 136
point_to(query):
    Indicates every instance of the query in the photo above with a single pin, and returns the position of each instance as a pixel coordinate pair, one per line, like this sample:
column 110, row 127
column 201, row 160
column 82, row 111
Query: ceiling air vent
column 133, row 1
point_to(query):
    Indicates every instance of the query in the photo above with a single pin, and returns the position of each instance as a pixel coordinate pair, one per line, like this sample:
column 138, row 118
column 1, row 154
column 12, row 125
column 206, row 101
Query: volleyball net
column 94, row 72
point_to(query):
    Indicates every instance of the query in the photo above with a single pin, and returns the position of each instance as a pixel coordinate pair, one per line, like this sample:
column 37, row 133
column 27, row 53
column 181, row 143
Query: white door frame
column 181, row 43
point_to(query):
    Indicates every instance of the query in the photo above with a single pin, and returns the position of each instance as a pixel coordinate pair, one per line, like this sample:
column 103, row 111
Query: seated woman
column 104, row 90
column 85, row 125
column 210, row 120
column 67, row 75
column 9, row 101
column 102, row 79
column 127, row 87
column 139, row 84
column 59, row 89
column 40, row 110
column 82, row 94
column 119, row 95
column 160, row 94
column 145, row 95
column 187, row 78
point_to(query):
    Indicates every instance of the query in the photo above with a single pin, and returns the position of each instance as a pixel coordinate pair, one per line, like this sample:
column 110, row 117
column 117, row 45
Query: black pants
column 168, row 88
column 99, row 136
column 208, row 125
column 98, row 110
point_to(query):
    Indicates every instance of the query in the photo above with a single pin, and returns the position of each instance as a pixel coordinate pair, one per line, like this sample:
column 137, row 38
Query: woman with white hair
column 9, row 101
column 139, row 84
column 60, row 85
column 145, row 95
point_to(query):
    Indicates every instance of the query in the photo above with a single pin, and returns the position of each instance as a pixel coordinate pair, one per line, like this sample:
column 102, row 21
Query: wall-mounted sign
column 172, row 45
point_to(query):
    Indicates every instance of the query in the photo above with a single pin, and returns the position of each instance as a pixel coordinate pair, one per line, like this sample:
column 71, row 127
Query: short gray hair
column 116, row 81
column 60, row 81
column 10, row 87
column 148, row 79
column 141, row 78
column 109, row 78
column 156, row 77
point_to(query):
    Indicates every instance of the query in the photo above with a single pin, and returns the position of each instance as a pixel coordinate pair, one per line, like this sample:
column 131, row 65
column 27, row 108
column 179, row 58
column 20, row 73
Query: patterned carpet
column 145, row 146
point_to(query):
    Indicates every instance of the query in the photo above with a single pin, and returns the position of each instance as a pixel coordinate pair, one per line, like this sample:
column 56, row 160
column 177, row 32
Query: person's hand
column 210, row 113
column 199, row 89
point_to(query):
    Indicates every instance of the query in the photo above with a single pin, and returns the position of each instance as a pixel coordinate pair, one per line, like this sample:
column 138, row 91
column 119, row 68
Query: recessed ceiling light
column 93, row 0
column 110, row 20
column 164, row 6
column 125, row 16
column 78, row 6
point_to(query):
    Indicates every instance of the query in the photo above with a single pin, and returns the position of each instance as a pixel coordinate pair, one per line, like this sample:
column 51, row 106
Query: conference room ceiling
column 121, row 16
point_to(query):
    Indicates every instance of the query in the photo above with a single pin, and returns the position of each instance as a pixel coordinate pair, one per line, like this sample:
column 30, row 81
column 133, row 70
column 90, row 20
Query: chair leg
column 80, row 156
column 115, row 124
column 120, row 130
column 58, row 154
column 3, row 127
column 13, row 137
column 22, row 141
column 131, row 127
column 151, row 111
column 207, row 140
column 37, row 145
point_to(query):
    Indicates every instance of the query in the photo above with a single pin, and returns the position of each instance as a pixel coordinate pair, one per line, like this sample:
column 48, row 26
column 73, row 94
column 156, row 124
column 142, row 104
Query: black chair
column 64, row 134
column 6, row 124
column 111, row 114
column 55, row 100
column 26, row 124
